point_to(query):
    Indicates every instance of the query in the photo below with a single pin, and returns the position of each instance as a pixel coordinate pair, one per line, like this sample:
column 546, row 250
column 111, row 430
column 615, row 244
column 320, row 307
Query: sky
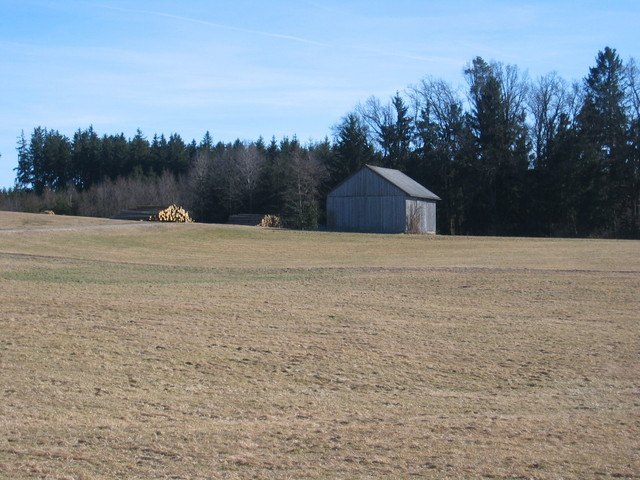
column 243, row 69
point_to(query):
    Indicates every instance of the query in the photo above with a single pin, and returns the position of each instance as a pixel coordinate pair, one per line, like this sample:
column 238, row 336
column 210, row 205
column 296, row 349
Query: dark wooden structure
column 143, row 212
column 381, row 200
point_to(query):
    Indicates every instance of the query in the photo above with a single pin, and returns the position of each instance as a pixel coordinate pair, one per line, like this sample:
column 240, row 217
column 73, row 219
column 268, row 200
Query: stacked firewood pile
column 272, row 221
column 172, row 213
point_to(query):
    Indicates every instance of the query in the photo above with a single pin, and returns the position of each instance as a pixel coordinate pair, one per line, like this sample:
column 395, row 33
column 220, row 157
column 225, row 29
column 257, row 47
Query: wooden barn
column 381, row 200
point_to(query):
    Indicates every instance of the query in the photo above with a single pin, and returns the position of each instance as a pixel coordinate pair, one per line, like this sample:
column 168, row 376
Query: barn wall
column 366, row 203
column 366, row 214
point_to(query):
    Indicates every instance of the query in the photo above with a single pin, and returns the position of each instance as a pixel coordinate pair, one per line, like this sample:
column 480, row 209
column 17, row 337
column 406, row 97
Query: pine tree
column 114, row 157
column 139, row 156
column 87, row 166
column 604, row 148
column 57, row 152
column 24, row 170
column 501, row 151
column 177, row 155
column 352, row 150
column 39, row 166
column 397, row 136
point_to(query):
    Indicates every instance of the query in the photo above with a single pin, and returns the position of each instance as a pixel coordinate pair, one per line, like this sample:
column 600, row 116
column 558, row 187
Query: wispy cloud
column 220, row 25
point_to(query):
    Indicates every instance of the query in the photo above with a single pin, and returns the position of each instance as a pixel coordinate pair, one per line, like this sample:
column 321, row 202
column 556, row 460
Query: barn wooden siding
column 366, row 214
column 369, row 202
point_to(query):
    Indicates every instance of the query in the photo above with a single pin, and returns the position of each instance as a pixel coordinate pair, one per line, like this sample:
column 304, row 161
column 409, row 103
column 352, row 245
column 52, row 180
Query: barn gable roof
column 405, row 183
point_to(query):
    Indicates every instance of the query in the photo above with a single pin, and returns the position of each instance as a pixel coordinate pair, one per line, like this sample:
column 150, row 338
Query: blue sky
column 249, row 68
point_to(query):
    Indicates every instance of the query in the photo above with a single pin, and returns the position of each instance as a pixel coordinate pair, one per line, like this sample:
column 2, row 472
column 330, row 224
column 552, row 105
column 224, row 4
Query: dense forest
column 508, row 155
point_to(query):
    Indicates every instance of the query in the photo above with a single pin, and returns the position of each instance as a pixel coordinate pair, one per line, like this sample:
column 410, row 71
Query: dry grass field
column 187, row 351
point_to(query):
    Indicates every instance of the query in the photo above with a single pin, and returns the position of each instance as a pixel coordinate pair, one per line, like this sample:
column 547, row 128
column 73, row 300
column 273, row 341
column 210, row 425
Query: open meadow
column 192, row 351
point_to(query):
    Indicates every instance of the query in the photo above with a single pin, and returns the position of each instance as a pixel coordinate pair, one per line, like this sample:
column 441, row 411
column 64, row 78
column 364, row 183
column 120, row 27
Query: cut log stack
column 172, row 213
column 272, row 221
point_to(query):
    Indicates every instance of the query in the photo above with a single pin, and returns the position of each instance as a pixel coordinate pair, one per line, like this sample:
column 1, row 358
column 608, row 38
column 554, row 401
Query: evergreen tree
column 352, row 150
column 501, row 151
column 206, row 144
column 86, row 159
column 559, row 182
column 40, row 169
column 177, row 155
column 24, row 170
column 268, row 198
column 397, row 136
column 159, row 155
column 139, row 156
column 631, row 218
column 322, row 155
column 603, row 132
column 57, row 153
column 114, row 157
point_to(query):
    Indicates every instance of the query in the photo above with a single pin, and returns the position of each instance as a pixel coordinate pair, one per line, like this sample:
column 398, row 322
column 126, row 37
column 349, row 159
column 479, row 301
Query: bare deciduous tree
column 249, row 163
column 547, row 102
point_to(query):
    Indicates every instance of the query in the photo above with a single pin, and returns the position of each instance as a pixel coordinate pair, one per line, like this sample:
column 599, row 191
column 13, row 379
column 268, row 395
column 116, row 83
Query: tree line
column 99, row 176
column 508, row 156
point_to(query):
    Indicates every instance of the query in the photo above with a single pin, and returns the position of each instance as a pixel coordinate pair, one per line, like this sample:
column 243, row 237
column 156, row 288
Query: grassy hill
column 139, row 350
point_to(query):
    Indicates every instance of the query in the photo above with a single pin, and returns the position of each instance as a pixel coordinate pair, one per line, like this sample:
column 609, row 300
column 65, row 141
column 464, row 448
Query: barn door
column 416, row 217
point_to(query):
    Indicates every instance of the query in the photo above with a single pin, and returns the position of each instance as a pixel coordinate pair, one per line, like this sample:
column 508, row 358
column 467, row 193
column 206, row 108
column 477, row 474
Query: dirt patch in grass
column 219, row 352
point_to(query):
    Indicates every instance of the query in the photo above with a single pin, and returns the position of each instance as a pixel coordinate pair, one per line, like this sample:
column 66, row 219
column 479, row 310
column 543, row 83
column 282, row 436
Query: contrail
column 220, row 25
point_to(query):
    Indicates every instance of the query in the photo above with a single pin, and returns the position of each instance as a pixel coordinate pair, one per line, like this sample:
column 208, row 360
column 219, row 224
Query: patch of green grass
column 105, row 273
